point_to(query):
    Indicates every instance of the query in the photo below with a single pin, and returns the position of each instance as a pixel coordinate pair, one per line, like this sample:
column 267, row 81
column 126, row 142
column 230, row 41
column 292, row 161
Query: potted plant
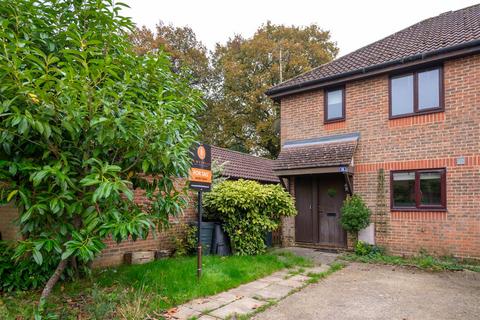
column 355, row 215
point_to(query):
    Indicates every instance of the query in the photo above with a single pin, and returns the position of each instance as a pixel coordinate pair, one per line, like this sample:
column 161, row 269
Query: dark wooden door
column 331, row 193
column 306, row 220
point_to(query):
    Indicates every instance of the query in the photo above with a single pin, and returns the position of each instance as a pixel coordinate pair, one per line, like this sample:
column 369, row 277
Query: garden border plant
column 355, row 214
column 248, row 210
column 368, row 253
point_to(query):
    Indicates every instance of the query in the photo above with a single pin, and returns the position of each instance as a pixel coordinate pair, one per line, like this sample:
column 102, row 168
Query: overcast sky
column 352, row 24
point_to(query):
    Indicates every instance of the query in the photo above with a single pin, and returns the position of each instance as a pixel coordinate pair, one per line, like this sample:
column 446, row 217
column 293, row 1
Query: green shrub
column 355, row 214
column 186, row 244
column 365, row 249
column 248, row 210
column 23, row 274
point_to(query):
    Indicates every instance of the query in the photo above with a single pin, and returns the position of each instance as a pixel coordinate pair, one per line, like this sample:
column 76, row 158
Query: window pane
column 431, row 188
column 429, row 89
column 404, row 189
column 402, row 95
column 335, row 104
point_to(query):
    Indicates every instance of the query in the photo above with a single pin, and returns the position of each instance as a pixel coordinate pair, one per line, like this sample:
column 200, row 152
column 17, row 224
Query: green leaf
column 145, row 165
column 37, row 256
column 11, row 195
column 67, row 254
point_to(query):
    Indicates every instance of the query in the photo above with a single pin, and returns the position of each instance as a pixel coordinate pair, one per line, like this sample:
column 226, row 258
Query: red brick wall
column 162, row 240
column 9, row 231
column 424, row 141
column 113, row 254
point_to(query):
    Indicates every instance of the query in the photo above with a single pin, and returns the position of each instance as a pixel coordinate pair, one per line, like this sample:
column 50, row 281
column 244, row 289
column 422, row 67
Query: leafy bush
column 84, row 121
column 248, row 210
column 355, row 214
column 186, row 244
column 365, row 249
column 22, row 274
column 217, row 178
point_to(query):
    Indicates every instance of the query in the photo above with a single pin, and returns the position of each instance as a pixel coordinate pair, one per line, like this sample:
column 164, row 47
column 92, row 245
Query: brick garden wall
column 113, row 254
column 8, row 213
column 423, row 141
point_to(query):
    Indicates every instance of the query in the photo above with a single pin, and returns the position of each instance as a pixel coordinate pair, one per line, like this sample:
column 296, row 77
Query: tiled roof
column 449, row 29
column 240, row 165
column 317, row 155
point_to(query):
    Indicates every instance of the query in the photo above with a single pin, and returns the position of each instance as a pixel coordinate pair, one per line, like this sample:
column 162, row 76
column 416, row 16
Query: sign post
column 200, row 178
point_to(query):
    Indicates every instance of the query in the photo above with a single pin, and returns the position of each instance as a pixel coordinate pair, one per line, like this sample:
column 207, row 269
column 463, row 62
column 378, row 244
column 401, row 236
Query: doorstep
column 247, row 298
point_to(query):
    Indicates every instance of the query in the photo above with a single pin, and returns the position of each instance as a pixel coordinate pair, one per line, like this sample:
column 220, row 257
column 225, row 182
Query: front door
column 331, row 193
column 306, row 219
column 319, row 200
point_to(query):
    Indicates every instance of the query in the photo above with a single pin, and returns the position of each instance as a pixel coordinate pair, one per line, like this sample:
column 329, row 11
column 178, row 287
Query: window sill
column 418, row 210
column 334, row 121
column 408, row 115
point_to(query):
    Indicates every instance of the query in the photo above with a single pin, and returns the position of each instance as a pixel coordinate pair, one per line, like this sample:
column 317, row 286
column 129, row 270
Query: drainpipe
column 348, row 183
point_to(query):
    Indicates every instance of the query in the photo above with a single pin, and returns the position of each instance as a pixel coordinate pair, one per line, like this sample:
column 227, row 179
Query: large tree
column 244, row 118
column 188, row 55
column 235, row 76
column 84, row 121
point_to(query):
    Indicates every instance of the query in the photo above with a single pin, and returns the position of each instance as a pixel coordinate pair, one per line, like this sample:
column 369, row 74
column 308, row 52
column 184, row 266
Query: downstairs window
column 418, row 189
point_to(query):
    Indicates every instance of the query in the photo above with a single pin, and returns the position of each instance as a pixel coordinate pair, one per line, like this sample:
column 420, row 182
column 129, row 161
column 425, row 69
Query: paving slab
column 184, row 313
column 274, row 291
column 203, row 305
column 242, row 306
column 292, row 283
column 300, row 277
column 318, row 257
column 317, row 269
column 207, row 317
column 273, row 278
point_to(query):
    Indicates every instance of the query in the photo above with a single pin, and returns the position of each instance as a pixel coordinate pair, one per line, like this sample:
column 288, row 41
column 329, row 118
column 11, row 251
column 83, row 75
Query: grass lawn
column 139, row 291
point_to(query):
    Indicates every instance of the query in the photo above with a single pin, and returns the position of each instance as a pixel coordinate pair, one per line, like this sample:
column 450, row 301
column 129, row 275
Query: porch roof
column 333, row 151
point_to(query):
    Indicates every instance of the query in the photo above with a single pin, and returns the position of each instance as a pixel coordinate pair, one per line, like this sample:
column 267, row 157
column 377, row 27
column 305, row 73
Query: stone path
column 246, row 298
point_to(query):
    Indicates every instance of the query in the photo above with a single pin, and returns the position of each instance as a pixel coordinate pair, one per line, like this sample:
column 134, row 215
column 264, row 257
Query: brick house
column 236, row 165
column 398, row 123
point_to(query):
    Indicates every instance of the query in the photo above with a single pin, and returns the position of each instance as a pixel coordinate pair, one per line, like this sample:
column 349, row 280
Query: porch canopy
column 320, row 155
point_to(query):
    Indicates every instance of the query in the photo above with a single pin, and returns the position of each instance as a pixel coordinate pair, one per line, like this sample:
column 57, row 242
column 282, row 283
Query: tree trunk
column 53, row 279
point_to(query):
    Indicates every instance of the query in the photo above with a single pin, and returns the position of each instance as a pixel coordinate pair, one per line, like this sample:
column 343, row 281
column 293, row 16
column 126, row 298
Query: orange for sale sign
column 200, row 175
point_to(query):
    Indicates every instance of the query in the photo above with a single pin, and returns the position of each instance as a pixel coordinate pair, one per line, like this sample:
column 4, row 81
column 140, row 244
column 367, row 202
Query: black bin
column 221, row 242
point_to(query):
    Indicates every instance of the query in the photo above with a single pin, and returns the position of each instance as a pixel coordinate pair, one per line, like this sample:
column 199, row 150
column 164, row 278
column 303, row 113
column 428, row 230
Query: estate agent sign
column 200, row 178
column 200, row 175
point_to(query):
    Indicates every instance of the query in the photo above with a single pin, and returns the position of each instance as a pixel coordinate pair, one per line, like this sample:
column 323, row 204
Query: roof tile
column 445, row 30
column 317, row 155
column 240, row 165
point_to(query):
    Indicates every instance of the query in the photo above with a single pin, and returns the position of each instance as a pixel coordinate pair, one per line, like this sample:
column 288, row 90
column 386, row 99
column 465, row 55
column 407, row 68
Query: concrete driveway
column 364, row 291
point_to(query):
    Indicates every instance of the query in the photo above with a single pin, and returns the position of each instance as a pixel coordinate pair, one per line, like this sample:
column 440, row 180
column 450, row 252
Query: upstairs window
column 418, row 189
column 334, row 109
column 416, row 93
